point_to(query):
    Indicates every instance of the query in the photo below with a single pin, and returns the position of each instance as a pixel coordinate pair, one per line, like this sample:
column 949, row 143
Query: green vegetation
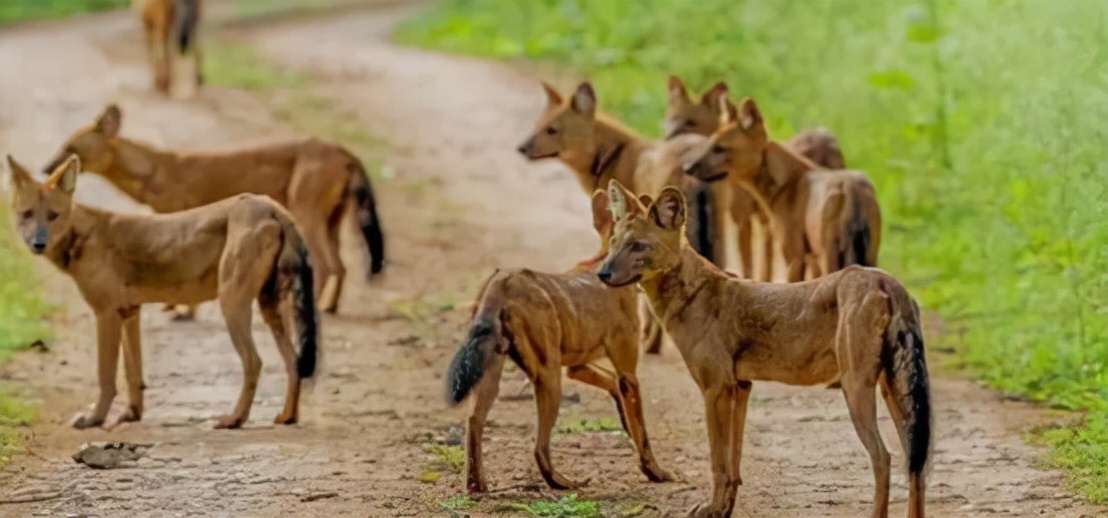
column 12, row 11
column 457, row 503
column 13, row 415
column 239, row 66
column 981, row 123
column 565, row 506
column 449, row 457
column 591, row 425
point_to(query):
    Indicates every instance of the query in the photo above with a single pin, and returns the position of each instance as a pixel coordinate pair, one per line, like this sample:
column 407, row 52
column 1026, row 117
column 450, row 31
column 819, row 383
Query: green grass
column 565, row 506
column 982, row 124
column 457, row 503
column 449, row 457
column 591, row 425
column 12, row 11
column 239, row 66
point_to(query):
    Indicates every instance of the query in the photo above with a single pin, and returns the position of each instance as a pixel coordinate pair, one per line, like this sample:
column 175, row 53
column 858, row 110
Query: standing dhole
column 237, row 250
column 545, row 322
column 170, row 25
column 318, row 182
column 857, row 325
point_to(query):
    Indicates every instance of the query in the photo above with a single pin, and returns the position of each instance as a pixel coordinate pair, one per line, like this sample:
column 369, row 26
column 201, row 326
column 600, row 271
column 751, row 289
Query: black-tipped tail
column 187, row 20
column 468, row 366
column 918, row 411
column 702, row 225
column 306, row 315
column 365, row 210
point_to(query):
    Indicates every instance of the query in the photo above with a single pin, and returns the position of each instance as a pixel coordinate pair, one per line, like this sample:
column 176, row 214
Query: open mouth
column 713, row 178
column 633, row 280
column 533, row 156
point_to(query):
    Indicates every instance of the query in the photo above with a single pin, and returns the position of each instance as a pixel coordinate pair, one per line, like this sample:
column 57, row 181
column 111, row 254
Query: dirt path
column 462, row 203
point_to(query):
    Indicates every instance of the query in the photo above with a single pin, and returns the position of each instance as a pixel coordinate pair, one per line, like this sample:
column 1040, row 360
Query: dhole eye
column 551, row 131
column 638, row 247
column 28, row 214
column 690, row 123
column 51, row 216
column 717, row 149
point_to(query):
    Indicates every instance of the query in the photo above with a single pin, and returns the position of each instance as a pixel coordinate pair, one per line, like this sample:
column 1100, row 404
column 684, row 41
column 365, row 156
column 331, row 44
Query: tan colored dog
column 702, row 117
column 598, row 149
column 825, row 220
column 169, row 25
column 237, row 250
column 317, row 181
column 544, row 322
column 858, row 325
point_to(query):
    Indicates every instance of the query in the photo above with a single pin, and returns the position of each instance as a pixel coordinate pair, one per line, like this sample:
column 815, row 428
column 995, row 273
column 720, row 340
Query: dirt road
column 461, row 203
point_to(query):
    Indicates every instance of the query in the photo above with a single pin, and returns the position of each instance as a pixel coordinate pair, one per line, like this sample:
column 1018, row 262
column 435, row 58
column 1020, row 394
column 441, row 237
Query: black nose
column 38, row 247
column 524, row 148
column 604, row 276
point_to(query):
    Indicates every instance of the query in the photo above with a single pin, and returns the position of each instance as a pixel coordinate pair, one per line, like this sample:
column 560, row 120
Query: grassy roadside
column 13, row 11
column 981, row 123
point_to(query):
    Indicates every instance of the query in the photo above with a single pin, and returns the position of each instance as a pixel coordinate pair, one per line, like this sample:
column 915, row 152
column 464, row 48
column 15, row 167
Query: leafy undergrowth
column 12, row 11
column 980, row 122
column 566, row 506
column 603, row 424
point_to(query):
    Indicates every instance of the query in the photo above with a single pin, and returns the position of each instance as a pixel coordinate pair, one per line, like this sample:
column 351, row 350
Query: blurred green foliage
column 12, row 11
column 982, row 123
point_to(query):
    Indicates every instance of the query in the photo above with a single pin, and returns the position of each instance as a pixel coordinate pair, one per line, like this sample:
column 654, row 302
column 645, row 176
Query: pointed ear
column 749, row 117
column 18, row 175
column 677, row 91
column 602, row 219
column 108, row 122
column 727, row 110
column 584, row 100
column 668, row 211
column 64, row 178
column 553, row 98
column 621, row 202
column 712, row 97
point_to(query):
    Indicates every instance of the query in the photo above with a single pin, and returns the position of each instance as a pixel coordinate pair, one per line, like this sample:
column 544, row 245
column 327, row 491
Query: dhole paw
column 284, row 419
column 707, row 510
column 130, row 415
column 183, row 315
column 562, row 483
column 82, row 421
column 477, row 487
column 228, row 422
column 660, row 475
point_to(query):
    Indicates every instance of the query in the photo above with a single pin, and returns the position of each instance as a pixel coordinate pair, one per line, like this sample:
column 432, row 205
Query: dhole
column 702, row 117
column 237, row 250
column 597, row 149
column 545, row 322
column 857, row 325
column 317, row 181
column 169, row 25
column 825, row 220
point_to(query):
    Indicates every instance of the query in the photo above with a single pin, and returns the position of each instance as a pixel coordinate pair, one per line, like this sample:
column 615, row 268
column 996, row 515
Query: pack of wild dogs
column 263, row 225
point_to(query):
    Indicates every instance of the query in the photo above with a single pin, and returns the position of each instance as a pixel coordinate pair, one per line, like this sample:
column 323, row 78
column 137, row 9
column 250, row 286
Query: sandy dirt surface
column 461, row 203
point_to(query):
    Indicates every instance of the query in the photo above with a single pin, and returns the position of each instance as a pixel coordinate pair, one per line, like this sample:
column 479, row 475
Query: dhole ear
column 64, row 178
column 18, row 176
column 621, row 202
column 602, row 219
column 552, row 95
column 668, row 211
column 748, row 115
column 727, row 111
column 712, row 97
column 677, row 91
column 108, row 122
column 584, row 100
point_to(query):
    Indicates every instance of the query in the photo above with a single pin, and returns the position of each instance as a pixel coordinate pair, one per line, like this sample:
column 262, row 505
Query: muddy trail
column 458, row 202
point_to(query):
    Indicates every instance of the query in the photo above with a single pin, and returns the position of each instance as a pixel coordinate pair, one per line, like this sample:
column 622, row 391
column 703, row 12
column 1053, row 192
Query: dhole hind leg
column 916, row 499
column 548, row 398
column 316, row 237
column 271, row 313
column 108, row 335
column 625, row 391
column 484, row 395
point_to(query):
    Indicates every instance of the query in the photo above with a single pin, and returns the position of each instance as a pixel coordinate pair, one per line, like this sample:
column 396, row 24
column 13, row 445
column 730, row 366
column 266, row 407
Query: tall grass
column 981, row 121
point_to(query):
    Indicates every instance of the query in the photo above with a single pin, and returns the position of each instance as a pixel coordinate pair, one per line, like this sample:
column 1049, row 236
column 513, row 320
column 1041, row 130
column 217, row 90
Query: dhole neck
column 608, row 148
column 781, row 167
column 135, row 166
column 672, row 291
column 84, row 222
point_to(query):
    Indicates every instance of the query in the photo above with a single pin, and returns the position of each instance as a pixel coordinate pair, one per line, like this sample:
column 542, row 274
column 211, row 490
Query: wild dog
column 236, row 250
column 544, row 322
column 598, row 148
column 318, row 182
column 825, row 220
column 858, row 325
column 169, row 25
column 702, row 116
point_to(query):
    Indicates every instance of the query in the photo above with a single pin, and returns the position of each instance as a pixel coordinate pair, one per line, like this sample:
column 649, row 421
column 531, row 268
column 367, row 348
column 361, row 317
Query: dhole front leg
column 132, row 367
column 108, row 334
column 719, row 412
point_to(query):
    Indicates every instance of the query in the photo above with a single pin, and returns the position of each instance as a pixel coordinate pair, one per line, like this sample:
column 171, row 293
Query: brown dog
column 545, row 322
column 825, row 220
column 684, row 115
column 170, row 25
column 237, row 250
column 858, row 325
column 317, row 181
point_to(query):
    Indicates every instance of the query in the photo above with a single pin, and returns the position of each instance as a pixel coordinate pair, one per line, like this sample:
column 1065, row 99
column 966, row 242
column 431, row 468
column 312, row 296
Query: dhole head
column 647, row 238
column 684, row 115
column 92, row 143
column 736, row 148
column 42, row 210
column 604, row 224
column 565, row 128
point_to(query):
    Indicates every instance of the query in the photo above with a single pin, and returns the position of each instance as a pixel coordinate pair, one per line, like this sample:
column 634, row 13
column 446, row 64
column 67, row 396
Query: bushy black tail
column 306, row 316
column 365, row 212
column 907, row 373
column 468, row 366
column 702, row 225
column 187, row 20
